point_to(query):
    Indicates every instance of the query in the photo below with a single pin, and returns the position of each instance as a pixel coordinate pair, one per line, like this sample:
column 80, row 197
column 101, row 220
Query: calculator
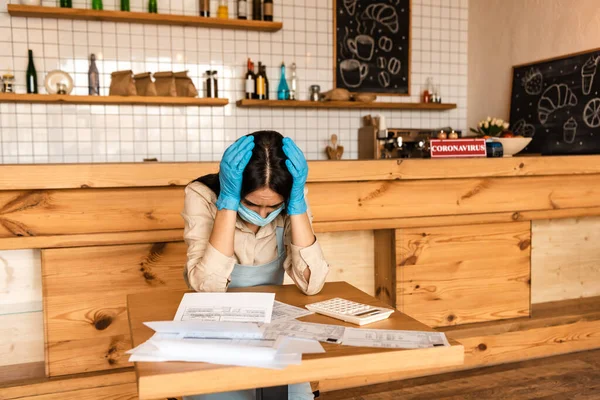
column 350, row 311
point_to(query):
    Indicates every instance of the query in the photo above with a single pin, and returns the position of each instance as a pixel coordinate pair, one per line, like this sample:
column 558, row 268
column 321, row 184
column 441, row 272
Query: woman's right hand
column 231, row 171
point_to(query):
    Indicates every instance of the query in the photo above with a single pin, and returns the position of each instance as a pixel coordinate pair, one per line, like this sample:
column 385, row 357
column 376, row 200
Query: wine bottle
column 264, row 68
column 97, row 5
column 125, row 5
column 66, row 3
column 268, row 10
column 283, row 90
column 153, row 6
column 250, row 81
column 31, row 75
column 205, row 8
column 260, row 83
column 293, row 83
column 93, row 77
column 242, row 9
column 256, row 10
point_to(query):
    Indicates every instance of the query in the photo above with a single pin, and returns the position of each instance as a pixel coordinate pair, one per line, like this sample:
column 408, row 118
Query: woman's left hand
column 298, row 167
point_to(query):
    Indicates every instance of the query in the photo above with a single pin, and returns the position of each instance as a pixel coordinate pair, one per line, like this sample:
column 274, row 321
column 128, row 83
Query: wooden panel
column 35, row 213
column 21, row 338
column 85, row 293
column 20, row 282
column 101, row 175
column 365, row 200
column 25, row 372
column 350, row 258
column 68, row 384
column 344, row 105
column 169, row 235
column 140, row 100
column 385, row 266
column 126, row 391
column 555, row 328
column 141, row 18
column 464, row 274
column 565, row 259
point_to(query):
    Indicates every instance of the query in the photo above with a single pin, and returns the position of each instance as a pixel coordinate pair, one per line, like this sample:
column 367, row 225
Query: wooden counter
column 451, row 242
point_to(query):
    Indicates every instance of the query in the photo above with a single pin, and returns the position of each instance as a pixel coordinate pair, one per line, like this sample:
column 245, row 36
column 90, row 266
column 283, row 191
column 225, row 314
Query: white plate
column 54, row 78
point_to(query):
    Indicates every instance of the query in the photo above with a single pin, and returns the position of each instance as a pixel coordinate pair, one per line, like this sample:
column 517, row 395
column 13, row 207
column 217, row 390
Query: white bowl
column 512, row 146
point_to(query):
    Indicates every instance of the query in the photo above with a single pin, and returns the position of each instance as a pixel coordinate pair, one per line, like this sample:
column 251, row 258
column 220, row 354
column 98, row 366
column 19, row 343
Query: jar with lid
column 8, row 81
column 211, row 86
column 315, row 92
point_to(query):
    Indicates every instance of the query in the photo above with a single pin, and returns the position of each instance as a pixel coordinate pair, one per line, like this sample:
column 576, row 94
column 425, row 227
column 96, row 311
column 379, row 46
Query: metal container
column 212, row 87
column 315, row 92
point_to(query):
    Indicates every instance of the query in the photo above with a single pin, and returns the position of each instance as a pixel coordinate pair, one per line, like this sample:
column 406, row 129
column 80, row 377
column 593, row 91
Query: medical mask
column 254, row 218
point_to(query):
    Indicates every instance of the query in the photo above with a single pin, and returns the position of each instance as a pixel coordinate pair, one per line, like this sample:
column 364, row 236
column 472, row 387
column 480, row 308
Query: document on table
column 393, row 339
column 226, row 307
column 286, row 312
column 208, row 330
column 304, row 330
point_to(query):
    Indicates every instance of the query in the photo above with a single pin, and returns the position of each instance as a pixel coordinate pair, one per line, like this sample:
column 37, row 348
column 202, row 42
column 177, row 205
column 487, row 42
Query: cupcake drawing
column 588, row 71
column 569, row 130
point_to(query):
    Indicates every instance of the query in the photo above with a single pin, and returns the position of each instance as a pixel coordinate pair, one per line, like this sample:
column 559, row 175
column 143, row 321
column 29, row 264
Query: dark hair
column 266, row 168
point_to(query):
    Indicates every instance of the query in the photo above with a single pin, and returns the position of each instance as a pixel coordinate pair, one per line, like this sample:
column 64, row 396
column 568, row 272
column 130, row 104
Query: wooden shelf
column 115, row 100
column 17, row 10
column 343, row 104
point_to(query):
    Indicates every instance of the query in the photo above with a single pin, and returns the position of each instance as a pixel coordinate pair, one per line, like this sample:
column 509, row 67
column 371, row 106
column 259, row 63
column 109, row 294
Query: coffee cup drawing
column 363, row 46
column 353, row 72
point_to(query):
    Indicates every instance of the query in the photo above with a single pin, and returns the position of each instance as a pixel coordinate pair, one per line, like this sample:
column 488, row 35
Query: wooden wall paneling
column 464, row 274
column 350, row 258
column 399, row 199
column 565, row 259
column 21, row 338
column 85, row 300
column 385, row 266
column 56, row 212
column 20, row 281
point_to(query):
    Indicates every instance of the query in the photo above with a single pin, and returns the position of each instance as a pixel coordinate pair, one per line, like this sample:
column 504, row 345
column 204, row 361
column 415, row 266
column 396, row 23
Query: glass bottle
column 242, row 9
column 268, row 10
column 66, row 3
column 97, row 5
column 256, row 10
column 93, row 77
column 283, row 90
column 205, row 8
column 428, row 92
column 212, row 87
column 264, row 72
column 223, row 10
column 250, row 81
column 31, row 75
column 260, row 83
column 153, row 6
column 124, row 5
column 293, row 83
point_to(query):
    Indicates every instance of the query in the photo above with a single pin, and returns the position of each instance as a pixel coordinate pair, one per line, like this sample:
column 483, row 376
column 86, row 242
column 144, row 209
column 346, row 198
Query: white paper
column 286, row 312
column 392, row 339
column 305, row 330
column 208, row 330
column 226, row 307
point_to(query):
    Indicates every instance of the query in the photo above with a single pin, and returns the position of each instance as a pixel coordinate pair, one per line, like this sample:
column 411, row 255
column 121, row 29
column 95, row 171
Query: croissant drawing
column 384, row 14
column 555, row 97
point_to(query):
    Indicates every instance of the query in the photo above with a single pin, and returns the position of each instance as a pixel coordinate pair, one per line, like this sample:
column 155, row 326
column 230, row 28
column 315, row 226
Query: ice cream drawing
column 588, row 71
column 569, row 130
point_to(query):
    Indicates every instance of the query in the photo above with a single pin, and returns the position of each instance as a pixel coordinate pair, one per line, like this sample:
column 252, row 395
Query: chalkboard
column 557, row 102
column 372, row 46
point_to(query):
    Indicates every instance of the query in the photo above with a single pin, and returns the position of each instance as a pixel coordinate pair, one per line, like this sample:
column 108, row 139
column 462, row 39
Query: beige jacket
column 208, row 270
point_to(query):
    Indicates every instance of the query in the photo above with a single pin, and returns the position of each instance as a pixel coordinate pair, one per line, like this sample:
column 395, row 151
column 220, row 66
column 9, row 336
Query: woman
column 248, row 224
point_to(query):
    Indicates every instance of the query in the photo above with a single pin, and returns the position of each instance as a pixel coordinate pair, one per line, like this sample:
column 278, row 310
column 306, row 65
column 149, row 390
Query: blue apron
column 267, row 274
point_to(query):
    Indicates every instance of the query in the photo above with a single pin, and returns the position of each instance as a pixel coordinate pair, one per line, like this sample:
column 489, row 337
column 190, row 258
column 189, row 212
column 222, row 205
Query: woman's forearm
column 221, row 237
column 302, row 235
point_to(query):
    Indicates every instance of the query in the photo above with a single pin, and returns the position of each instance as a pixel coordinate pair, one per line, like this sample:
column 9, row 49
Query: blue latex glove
column 231, row 171
column 298, row 167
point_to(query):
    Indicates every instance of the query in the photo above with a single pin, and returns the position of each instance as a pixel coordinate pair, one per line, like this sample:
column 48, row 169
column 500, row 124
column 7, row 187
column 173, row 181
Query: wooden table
column 160, row 380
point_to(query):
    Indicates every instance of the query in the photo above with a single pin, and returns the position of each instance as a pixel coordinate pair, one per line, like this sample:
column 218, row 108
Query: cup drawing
column 353, row 72
column 363, row 46
column 569, row 130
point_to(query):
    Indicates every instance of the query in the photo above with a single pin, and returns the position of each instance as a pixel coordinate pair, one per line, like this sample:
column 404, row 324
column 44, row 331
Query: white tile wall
column 84, row 133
